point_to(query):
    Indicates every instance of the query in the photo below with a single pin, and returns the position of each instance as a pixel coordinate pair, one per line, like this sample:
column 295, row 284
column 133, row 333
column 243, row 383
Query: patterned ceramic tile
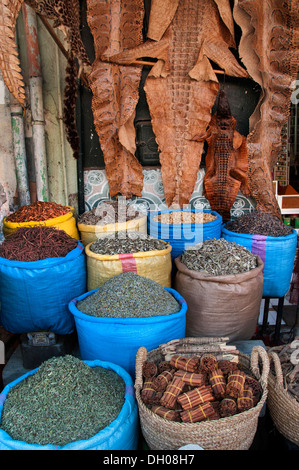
column 96, row 190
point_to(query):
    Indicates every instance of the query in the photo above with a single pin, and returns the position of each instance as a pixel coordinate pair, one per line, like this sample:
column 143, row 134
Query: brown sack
column 221, row 305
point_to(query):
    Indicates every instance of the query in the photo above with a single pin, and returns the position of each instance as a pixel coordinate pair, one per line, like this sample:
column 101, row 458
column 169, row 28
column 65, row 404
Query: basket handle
column 140, row 359
column 277, row 366
column 258, row 352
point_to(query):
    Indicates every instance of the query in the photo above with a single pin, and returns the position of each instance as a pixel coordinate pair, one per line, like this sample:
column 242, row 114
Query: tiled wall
column 96, row 190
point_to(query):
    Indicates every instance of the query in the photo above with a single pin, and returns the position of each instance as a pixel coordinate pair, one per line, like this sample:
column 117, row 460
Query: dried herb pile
column 126, row 242
column 37, row 243
column 129, row 295
column 38, row 211
column 219, row 257
column 184, row 217
column 110, row 212
column 290, row 370
column 64, row 401
column 194, row 389
column 259, row 223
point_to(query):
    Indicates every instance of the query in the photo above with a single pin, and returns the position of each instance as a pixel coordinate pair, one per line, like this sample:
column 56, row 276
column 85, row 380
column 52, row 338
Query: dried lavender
column 129, row 295
column 219, row 257
column 126, row 242
column 110, row 212
column 64, row 401
column 259, row 223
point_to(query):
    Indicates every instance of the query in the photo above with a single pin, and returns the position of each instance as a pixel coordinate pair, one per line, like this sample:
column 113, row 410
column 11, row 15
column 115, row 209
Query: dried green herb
column 129, row 295
column 219, row 257
column 64, row 401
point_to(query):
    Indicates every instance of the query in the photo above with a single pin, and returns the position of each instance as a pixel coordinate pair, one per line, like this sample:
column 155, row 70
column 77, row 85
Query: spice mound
column 259, row 223
column 129, row 295
column 110, row 212
column 126, row 242
column 65, row 400
column 199, row 388
column 37, row 243
column 219, row 257
column 37, row 212
column 184, row 217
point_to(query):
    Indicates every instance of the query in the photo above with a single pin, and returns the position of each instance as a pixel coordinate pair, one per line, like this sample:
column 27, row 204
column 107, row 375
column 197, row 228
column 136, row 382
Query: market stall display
column 42, row 268
column 126, row 311
column 265, row 235
column 222, row 283
column 182, row 228
column 45, row 408
column 124, row 252
column 196, row 415
column 49, row 214
column 108, row 218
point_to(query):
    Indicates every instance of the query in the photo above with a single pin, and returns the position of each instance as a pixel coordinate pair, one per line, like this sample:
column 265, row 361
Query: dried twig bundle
column 195, row 397
column 196, row 380
column 174, row 389
column 245, row 400
column 199, row 413
column 208, row 362
column 189, row 364
column 227, row 407
column 149, row 369
column 171, row 415
column 227, row 367
column 148, row 392
column 218, row 383
column 235, row 383
column 164, row 365
column 163, row 379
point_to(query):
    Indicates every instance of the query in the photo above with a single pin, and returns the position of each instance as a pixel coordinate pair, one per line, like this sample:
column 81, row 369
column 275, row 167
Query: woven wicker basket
column 232, row 433
column 283, row 407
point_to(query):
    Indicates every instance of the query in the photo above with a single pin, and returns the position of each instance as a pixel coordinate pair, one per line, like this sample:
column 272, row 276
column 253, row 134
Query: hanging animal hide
column 116, row 25
column 269, row 49
column 9, row 58
column 182, row 86
column 226, row 160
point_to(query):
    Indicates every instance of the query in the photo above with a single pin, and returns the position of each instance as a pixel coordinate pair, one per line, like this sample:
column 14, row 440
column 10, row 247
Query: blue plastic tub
column 180, row 236
column 121, row 434
column 278, row 255
column 118, row 339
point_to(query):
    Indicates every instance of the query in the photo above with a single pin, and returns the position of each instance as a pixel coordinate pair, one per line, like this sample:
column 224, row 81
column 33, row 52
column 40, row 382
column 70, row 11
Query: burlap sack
column 221, row 305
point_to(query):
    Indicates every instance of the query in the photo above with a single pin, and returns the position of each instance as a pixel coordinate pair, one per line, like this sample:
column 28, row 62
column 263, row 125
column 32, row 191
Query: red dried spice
column 38, row 211
column 37, row 243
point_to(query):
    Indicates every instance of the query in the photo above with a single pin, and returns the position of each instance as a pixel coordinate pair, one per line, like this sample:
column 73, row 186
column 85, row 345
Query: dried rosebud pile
column 194, row 389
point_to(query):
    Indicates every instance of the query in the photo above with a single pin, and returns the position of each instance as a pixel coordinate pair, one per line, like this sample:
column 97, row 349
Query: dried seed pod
column 199, row 413
column 195, row 397
column 218, row 383
column 149, row 369
column 189, row 364
column 245, row 400
column 196, row 380
column 174, row 389
column 208, row 362
column 227, row 407
column 162, row 380
column 235, row 383
column 171, row 415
